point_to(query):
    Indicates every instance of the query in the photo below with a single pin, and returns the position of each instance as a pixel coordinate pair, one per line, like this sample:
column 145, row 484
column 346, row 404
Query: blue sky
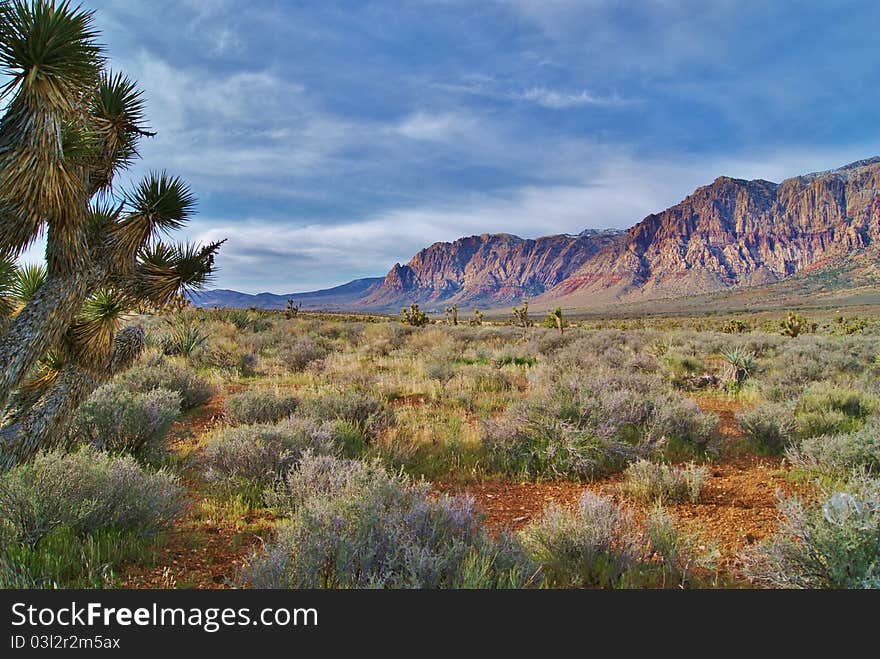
column 328, row 140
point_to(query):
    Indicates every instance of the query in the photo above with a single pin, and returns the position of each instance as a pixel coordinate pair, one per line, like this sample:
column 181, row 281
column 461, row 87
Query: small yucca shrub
column 182, row 338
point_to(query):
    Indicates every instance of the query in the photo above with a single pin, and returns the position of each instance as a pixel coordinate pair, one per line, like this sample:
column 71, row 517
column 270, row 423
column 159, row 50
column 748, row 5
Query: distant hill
column 733, row 236
column 338, row 298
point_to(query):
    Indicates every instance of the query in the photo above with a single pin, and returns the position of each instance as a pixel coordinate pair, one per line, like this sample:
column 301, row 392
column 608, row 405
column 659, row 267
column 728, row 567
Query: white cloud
column 263, row 255
column 558, row 100
column 434, row 127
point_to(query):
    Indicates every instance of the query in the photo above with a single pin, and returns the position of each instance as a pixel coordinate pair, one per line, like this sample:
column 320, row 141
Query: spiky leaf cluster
column 70, row 125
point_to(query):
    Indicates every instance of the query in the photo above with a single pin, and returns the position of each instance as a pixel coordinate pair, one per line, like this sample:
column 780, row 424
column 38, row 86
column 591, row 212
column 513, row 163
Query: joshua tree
column 522, row 314
column 478, row 317
column 795, row 324
column 70, row 125
column 414, row 316
column 554, row 319
column 452, row 315
column 292, row 309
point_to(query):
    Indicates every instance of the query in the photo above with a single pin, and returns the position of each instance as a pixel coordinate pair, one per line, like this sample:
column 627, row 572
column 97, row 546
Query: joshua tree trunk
column 39, row 426
column 39, row 327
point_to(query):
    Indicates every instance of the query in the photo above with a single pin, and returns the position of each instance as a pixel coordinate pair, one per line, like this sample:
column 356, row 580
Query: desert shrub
column 352, row 524
column 591, row 547
column 85, row 491
column 553, row 448
column 368, row 412
column 682, row 368
column 249, row 458
column 679, row 426
column 119, row 420
column 380, row 339
column 676, row 551
column 838, row 454
column 648, row 481
column 258, row 406
column 769, row 427
column 298, row 355
column 193, row 389
column 584, row 425
column 826, row 408
column 835, row 544
column 224, row 353
column 486, row 379
column 441, row 371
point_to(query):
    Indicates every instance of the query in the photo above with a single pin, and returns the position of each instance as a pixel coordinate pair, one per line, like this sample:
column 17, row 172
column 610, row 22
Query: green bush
column 551, row 448
column 194, row 390
column 826, row 408
column 258, row 406
column 832, row 545
column 247, row 459
column 297, row 356
column 769, row 427
column 652, row 482
column 118, row 420
column 592, row 547
column 85, row 491
column 354, row 525
column 366, row 411
column 837, row 455
column 585, row 425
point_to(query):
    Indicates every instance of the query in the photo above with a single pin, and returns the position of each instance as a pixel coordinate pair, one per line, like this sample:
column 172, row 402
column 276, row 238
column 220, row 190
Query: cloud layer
column 329, row 140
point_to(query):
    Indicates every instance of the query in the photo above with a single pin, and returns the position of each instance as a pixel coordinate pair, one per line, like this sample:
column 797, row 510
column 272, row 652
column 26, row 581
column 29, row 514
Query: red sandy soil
column 737, row 508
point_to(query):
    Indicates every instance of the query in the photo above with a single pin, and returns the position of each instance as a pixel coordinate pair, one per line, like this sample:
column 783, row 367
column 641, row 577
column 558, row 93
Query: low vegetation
column 352, row 437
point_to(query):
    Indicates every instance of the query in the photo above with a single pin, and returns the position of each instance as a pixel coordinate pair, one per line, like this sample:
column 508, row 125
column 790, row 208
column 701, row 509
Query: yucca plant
column 742, row 363
column 70, row 125
column 184, row 336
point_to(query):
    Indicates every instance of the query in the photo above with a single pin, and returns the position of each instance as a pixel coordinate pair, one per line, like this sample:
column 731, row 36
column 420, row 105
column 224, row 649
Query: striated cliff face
column 733, row 233
column 490, row 269
column 729, row 234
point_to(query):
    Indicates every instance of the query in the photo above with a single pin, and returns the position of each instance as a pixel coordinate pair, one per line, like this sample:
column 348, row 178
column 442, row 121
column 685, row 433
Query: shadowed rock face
column 734, row 233
column 490, row 269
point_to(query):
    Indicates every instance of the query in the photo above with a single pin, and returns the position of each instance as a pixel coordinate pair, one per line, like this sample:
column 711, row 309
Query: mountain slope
column 486, row 270
column 732, row 233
